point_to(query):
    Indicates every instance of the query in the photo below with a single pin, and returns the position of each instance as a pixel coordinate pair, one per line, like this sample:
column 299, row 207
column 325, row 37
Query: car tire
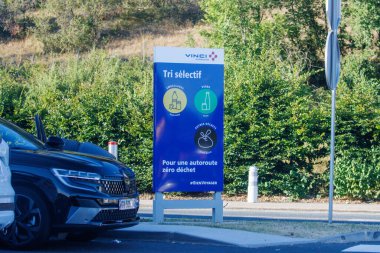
column 82, row 236
column 31, row 226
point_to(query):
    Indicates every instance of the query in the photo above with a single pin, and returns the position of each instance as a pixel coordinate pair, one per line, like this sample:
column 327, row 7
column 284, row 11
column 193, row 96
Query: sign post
column 188, row 127
column 332, row 69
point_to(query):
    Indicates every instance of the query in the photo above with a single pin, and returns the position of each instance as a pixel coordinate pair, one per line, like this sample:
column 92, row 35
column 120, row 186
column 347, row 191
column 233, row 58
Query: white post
column 112, row 148
column 253, row 184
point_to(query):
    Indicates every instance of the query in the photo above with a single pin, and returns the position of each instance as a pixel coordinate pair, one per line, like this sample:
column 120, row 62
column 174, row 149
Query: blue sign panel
column 188, row 119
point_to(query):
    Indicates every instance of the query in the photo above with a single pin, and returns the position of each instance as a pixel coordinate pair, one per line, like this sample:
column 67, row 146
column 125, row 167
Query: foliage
column 78, row 26
column 272, row 119
column 12, row 93
column 95, row 99
column 151, row 11
column 357, row 173
column 14, row 18
column 235, row 179
column 72, row 25
column 276, row 116
column 277, row 106
column 358, row 103
column 361, row 24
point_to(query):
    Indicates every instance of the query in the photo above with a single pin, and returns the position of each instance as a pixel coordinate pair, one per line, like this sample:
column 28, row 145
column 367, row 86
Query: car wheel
column 31, row 227
column 82, row 236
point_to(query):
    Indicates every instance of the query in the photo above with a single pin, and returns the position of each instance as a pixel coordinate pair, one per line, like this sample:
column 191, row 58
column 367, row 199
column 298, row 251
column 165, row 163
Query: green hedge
column 273, row 118
column 96, row 99
column 357, row 174
column 277, row 106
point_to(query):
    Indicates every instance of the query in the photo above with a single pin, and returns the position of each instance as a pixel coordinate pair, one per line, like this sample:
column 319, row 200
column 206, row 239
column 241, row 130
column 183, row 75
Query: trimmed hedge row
column 272, row 118
column 358, row 174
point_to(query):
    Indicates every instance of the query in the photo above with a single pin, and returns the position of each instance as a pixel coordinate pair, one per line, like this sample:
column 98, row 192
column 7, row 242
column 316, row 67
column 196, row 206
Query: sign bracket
column 160, row 204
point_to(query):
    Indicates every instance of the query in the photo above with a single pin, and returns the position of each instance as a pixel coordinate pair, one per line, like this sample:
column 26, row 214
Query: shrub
column 235, row 179
column 72, row 26
column 149, row 11
column 14, row 18
column 358, row 104
column 78, row 36
column 12, row 93
column 357, row 174
column 98, row 99
column 271, row 117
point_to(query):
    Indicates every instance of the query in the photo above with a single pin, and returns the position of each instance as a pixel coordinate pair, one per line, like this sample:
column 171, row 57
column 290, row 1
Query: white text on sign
column 182, row 74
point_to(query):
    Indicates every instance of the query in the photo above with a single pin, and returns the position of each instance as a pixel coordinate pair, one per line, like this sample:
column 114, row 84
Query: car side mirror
column 55, row 142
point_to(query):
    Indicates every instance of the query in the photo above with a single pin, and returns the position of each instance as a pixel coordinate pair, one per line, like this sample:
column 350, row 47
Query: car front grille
column 118, row 187
column 114, row 215
column 113, row 187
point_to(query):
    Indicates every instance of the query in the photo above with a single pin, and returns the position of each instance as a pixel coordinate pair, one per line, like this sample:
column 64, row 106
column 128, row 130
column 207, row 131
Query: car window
column 14, row 139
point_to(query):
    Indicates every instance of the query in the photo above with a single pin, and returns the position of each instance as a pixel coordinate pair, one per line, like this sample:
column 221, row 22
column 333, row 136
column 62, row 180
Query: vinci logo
column 213, row 56
column 202, row 57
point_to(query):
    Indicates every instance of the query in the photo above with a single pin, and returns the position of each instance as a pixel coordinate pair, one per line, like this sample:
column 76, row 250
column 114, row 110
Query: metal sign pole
column 332, row 69
column 332, row 155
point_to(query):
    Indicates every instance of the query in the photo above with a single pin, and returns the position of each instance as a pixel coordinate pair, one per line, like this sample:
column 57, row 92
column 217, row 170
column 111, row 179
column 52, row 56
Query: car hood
column 68, row 160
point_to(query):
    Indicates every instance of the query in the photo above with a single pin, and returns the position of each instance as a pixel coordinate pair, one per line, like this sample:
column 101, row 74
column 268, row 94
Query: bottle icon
column 207, row 102
column 175, row 104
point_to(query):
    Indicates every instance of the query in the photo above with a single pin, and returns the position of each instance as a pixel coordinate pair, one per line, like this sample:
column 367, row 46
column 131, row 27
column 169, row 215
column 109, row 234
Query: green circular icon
column 205, row 101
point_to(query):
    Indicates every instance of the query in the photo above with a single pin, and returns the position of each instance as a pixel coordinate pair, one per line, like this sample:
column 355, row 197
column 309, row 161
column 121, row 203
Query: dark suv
column 60, row 191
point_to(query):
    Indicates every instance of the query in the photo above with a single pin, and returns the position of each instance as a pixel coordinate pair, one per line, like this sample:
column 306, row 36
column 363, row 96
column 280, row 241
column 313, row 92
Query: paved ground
column 151, row 237
column 228, row 236
column 167, row 242
column 364, row 212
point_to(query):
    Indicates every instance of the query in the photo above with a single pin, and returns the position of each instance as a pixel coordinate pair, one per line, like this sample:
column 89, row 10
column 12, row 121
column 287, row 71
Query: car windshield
column 17, row 138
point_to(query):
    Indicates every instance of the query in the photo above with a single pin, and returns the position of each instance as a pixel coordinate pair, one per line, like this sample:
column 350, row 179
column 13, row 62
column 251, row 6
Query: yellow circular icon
column 175, row 100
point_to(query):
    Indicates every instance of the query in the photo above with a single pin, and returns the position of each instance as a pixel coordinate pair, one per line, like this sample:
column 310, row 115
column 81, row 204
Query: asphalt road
column 142, row 242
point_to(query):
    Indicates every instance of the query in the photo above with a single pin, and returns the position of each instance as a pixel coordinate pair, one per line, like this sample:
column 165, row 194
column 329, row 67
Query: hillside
column 140, row 45
column 53, row 29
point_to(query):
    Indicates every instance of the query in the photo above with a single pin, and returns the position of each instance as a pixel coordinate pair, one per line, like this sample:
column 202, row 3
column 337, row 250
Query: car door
column 7, row 193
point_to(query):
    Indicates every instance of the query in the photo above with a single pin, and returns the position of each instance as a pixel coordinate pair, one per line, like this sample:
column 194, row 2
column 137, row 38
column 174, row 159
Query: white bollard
column 252, row 184
column 112, row 148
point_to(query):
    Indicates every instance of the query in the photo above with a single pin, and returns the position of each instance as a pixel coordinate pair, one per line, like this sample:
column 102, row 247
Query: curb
column 275, row 244
column 368, row 236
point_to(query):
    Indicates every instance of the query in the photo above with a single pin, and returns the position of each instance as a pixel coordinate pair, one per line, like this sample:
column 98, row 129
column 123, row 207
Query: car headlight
column 78, row 179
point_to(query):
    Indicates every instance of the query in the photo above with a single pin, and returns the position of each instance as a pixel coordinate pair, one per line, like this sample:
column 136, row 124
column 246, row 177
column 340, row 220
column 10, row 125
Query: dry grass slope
column 141, row 45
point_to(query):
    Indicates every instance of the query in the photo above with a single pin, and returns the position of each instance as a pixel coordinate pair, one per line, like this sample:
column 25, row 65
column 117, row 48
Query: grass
column 301, row 229
column 18, row 50
column 140, row 44
column 311, row 230
column 143, row 44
